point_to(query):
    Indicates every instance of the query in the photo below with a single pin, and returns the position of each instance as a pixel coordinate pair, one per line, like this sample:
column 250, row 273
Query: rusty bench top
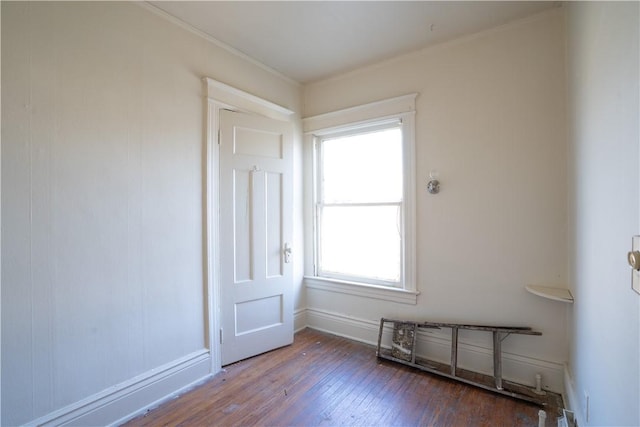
column 503, row 329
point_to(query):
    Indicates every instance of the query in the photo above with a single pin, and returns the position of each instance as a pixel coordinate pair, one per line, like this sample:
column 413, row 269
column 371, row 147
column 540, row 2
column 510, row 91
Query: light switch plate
column 635, row 274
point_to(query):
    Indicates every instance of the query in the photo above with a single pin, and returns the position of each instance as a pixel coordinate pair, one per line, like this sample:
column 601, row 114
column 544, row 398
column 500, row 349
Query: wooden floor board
column 324, row 380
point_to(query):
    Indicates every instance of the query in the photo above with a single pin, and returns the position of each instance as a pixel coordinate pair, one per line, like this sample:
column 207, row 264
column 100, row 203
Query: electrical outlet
column 585, row 406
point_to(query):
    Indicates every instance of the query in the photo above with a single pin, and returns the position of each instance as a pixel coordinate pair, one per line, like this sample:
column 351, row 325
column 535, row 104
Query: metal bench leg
column 454, row 350
column 380, row 336
column 414, row 343
column 497, row 359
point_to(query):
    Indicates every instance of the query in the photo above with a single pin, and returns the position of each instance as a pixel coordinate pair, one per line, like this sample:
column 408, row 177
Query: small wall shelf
column 556, row 294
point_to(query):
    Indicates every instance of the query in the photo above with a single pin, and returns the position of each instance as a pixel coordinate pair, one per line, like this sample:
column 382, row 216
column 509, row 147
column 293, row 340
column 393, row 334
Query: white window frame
column 320, row 204
column 400, row 109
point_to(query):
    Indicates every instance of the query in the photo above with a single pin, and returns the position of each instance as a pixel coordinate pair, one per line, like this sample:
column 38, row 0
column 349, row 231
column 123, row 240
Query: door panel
column 255, row 227
column 275, row 245
column 255, row 315
column 243, row 253
column 255, row 142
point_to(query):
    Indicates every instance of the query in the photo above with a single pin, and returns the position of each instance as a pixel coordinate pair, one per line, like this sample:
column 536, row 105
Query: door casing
column 220, row 96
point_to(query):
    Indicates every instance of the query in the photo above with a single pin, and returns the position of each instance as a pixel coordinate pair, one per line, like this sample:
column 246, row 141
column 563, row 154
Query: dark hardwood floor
column 326, row 380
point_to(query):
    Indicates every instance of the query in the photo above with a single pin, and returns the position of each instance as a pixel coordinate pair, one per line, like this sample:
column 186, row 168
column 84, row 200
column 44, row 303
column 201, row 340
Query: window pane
column 361, row 241
column 366, row 167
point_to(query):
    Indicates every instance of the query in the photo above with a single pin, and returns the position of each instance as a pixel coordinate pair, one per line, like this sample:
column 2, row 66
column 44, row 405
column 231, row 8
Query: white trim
column 384, row 293
column 366, row 126
column 570, row 397
column 212, row 232
column 353, row 328
column 132, row 397
column 222, row 93
column 299, row 319
column 361, row 113
column 516, row 367
column 186, row 26
column 402, row 108
column 409, row 255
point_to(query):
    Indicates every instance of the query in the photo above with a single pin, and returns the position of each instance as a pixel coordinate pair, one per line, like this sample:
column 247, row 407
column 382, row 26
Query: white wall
column 102, row 199
column 604, row 145
column 491, row 119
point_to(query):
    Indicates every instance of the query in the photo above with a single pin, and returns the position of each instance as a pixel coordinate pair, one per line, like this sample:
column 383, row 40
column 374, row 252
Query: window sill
column 362, row 290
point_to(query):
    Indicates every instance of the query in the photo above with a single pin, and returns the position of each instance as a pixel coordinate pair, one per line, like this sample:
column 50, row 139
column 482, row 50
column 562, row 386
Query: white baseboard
column 516, row 368
column 133, row 397
column 570, row 397
column 299, row 319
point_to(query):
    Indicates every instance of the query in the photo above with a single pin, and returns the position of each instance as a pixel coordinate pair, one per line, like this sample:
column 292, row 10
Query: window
column 359, row 205
column 362, row 205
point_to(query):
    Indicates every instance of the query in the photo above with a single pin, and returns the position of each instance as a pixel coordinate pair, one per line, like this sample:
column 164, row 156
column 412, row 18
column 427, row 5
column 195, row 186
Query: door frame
column 220, row 96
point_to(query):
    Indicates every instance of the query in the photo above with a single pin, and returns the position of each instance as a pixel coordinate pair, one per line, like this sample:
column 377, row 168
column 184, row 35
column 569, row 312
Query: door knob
column 287, row 253
column 634, row 259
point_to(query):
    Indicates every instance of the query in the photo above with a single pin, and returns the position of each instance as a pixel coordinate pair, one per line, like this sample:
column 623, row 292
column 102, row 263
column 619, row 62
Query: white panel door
column 256, row 274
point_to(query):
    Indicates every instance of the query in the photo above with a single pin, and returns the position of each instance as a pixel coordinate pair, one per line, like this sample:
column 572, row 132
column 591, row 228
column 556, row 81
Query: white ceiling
column 313, row 40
